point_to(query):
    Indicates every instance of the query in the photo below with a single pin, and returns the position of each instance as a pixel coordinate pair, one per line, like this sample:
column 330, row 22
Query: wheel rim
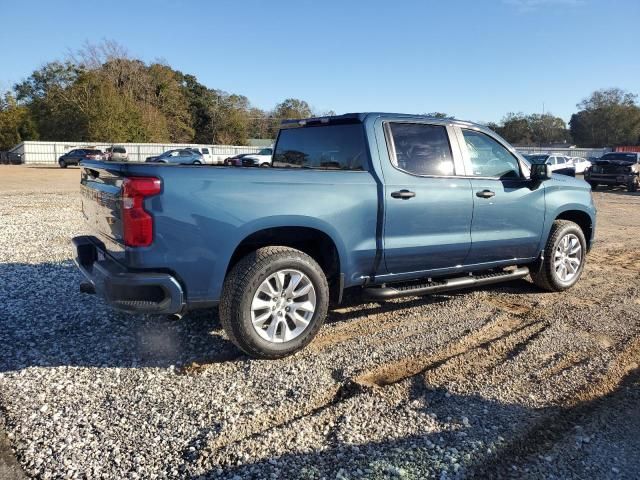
column 283, row 306
column 568, row 257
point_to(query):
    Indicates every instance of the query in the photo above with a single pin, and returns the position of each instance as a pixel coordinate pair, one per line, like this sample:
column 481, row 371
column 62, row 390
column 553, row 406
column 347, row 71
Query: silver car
column 181, row 156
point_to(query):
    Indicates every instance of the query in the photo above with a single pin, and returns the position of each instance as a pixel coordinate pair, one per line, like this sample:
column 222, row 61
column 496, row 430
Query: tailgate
column 100, row 188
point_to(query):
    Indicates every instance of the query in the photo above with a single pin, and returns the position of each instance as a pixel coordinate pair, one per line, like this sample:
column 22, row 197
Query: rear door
column 508, row 212
column 428, row 209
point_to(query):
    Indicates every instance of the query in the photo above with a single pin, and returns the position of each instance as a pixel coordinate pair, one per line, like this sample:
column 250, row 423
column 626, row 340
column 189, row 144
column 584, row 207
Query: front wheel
column 633, row 184
column 265, row 165
column 273, row 302
column 594, row 185
column 197, row 162
column 564, row 257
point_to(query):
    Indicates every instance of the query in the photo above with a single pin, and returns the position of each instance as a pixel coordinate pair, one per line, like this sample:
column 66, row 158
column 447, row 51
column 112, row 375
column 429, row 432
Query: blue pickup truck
column 394, row 205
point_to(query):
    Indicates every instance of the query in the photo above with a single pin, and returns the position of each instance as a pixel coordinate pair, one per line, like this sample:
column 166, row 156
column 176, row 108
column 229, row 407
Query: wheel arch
column 582, row 219
column 315, row 242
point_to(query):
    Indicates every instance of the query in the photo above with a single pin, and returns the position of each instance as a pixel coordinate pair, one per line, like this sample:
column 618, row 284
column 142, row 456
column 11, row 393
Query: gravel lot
column 505, row 381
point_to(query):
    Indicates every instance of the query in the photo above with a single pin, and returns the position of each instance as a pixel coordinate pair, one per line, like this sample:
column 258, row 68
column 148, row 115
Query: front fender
column 565, row 195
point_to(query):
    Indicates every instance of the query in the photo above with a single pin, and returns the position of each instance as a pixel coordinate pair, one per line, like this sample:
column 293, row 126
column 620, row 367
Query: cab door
column 427, row 208
column 508, row 209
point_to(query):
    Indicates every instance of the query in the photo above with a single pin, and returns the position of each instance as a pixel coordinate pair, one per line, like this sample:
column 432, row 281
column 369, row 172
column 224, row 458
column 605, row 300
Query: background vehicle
column 393, row 205
column 236, row 160
column 205, row 152
column 116, row 154
column 10, row 158
column 580, row 163
column 75, row 156
column 559, row 163
column 615, row 168
column 261, row 159
column 183, row 156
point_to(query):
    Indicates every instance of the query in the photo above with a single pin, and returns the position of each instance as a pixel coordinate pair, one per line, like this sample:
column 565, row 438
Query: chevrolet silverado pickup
column 392, row 205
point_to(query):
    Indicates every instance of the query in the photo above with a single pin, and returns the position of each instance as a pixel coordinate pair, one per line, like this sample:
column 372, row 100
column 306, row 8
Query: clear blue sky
column 476, row 59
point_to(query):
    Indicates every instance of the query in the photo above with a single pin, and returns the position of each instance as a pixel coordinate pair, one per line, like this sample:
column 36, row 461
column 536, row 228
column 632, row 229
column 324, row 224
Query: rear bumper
column 136, row 292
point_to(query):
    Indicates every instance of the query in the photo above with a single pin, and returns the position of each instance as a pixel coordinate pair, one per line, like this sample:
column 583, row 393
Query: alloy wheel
column 283, row 306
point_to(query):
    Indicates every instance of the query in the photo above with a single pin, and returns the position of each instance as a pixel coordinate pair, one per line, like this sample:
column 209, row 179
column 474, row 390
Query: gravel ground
column 500, row 382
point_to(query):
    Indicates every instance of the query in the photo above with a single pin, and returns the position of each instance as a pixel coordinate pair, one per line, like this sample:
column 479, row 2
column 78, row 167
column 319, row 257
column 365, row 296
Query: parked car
column 392, row 205
column 10, row 158
column 558, row 163
column 261, row 159
column 580, row 163
column 205, row 152
column 75, row 156
column 615, row 168
column 236, row 160
column 181, row 156
column 116, row 154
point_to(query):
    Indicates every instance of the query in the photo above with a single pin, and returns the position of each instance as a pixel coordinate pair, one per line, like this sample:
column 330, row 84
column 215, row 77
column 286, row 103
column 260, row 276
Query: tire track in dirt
column 559, row 421
column 496, row 338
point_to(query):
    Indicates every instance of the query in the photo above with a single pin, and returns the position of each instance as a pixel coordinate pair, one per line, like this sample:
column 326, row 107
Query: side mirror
column 540, row 172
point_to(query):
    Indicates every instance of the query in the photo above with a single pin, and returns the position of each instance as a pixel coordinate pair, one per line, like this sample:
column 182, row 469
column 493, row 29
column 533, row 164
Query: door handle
column 485, row 194
column 403, row 194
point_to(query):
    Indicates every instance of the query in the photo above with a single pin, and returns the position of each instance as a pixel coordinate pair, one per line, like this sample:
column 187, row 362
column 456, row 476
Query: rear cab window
column 323, row 147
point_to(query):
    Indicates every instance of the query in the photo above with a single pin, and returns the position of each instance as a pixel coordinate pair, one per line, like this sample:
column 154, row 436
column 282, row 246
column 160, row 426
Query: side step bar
column 445, row 285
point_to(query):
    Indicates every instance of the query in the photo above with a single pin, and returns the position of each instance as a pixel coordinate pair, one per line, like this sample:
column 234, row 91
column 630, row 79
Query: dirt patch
column 23, row 179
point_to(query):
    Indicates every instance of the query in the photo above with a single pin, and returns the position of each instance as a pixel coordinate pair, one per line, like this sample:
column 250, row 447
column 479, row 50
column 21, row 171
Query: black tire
column 242, row 283
column 265, row 165
column 197, row 162
column 546, row 277
column 594, row 185
column 632, row 186
column 62, row 164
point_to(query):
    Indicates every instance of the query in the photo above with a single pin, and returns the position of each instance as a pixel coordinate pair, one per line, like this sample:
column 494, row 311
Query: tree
column 100, row 93
column 292, row 108
column 16, row 124
column 534, row 129
column 440, row 115
column 608, row 117
column 547, row 129
column 515, row 129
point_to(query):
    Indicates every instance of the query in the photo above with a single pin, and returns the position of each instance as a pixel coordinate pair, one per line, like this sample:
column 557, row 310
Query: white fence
column 34, row 152
column 567, row 152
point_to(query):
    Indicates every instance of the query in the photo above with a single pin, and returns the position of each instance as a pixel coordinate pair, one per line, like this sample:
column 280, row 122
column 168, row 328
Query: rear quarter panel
column 204, row 213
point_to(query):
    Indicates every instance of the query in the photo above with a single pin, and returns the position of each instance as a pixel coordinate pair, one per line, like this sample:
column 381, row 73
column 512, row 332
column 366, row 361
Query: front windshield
column 625, row 157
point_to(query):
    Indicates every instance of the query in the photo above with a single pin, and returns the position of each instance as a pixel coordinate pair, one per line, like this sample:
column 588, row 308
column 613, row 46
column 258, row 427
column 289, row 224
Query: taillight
column 137, row 223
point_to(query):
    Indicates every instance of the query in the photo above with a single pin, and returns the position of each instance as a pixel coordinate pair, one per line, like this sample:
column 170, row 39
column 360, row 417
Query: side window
column 562, row 159
column 488, row 157
column 421, row 149
column 205, row 151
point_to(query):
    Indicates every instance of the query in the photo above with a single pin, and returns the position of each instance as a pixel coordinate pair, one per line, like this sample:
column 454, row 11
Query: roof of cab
column 361, row 116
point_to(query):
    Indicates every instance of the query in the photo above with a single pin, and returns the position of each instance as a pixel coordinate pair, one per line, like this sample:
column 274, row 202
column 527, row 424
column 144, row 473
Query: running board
column 445, row 285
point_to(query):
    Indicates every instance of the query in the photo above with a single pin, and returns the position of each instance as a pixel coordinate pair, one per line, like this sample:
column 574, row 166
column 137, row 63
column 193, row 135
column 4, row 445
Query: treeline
column 607, row 118
column 101, row 94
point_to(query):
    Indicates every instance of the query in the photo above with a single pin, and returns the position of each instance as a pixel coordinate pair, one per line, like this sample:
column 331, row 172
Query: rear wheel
column 197, row 162
column 564, row 257
column 62, row 164
column 594, row 185
column 273, row 302
column 633, row 184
